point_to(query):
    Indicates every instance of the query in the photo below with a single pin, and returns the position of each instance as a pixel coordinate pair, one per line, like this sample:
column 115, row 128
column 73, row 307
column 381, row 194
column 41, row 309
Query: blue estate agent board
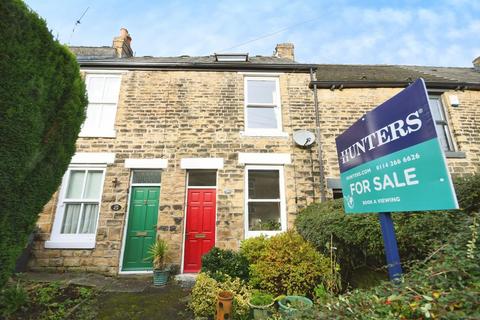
column 391, row 159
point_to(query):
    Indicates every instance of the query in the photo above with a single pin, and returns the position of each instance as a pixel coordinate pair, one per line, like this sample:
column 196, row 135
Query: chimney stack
column 121, row 44
column 476, row 63
column 285, row 50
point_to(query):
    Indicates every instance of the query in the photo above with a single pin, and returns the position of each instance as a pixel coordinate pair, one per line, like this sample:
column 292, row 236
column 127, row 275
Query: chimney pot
column 285, row 50
column 122, row 44
column 123, row 32
column 476, row 63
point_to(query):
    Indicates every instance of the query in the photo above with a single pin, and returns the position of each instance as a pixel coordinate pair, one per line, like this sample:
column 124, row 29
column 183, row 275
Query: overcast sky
column 412, row 32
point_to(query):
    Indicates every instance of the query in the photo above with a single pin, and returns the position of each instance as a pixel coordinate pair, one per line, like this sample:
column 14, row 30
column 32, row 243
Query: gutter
column 332, row 85
column 224, row 66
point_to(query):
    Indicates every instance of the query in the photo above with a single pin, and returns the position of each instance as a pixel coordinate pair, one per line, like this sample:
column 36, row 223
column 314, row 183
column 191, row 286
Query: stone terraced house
column 199, row 150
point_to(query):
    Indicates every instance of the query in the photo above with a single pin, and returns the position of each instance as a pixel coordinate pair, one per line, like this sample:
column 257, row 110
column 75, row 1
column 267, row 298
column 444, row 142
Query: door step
column 186, row 280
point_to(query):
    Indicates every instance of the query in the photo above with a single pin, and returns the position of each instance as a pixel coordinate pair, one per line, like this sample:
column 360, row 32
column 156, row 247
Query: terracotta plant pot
column 224, row 305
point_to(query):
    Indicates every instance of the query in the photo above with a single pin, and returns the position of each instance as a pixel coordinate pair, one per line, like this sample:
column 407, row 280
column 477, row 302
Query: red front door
column 200, row 231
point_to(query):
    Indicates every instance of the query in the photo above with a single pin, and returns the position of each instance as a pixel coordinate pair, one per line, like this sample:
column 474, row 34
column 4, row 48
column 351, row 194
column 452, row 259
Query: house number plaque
column 116, row 207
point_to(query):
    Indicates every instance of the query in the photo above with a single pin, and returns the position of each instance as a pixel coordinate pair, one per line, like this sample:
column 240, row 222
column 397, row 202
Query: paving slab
column 186, row 280
column 127, row 285
column 92, row 280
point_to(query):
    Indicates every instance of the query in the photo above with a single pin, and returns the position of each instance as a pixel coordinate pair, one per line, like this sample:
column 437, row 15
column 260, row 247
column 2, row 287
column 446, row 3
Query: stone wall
column 191, row 114
column 341, row 108
column 180, row 114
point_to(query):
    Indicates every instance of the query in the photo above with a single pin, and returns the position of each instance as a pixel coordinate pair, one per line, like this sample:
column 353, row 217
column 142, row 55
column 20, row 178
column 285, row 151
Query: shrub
column 218, row 262
column 42, row 105
column 252, row 248
column 445, row 286
column 358, row 238
column 289, row 265
column 12, row 299
column 468, row 192
column 259, row 298
column 206, row 289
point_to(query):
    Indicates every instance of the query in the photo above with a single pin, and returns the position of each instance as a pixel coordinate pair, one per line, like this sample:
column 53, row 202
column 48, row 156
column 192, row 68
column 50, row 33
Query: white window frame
column 102, row 133
column 277, row 107
column 283, row 209
column 444, row 122
column 74, row 241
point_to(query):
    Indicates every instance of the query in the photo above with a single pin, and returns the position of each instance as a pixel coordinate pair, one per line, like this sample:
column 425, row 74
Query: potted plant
column 261, row 304
column 292, row 305
column 158, row 252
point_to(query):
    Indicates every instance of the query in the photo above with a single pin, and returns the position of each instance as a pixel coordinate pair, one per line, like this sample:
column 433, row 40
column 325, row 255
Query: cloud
column 440, row 32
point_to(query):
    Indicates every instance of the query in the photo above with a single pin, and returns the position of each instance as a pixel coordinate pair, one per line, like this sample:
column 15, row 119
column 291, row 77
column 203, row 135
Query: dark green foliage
column 12, row 299
column 445, row 286
column 468, row 192
column 218, row 261
column 358, row 238
column 42, row 105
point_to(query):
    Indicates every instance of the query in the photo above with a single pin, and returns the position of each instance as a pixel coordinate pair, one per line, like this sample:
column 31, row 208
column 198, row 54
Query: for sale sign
column 391, row 158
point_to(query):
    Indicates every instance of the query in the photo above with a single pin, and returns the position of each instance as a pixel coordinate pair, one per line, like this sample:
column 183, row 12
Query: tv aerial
column 304, row 138
column 77, row 23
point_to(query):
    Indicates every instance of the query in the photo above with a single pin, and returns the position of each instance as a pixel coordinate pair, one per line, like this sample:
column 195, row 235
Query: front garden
column 330, row 267
column 337, row 262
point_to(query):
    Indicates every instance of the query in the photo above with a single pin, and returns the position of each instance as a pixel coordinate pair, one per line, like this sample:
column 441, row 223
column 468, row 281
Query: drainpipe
column 317, row 123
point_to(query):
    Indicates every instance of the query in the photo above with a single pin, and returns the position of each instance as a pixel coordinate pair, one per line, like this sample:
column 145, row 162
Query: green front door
column 141, row 228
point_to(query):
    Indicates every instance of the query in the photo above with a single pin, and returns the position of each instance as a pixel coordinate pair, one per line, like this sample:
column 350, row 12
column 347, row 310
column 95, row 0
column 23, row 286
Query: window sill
column 98, row 134
column 455, row 155
column 252, row 234
column 264, row 134
column 69, row 244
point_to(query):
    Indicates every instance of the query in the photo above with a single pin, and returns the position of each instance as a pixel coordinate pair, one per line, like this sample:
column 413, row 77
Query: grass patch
column 22, row 299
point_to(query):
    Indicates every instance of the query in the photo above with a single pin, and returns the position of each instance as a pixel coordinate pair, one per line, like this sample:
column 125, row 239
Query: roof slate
column 92, row 53
column 107, row 54
column 325, row 72
column 395, row 73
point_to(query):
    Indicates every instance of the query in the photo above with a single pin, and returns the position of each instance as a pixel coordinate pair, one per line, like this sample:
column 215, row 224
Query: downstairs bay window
column 265, row 211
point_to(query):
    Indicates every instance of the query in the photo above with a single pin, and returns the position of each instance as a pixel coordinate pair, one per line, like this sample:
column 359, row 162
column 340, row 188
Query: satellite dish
column 303, row 138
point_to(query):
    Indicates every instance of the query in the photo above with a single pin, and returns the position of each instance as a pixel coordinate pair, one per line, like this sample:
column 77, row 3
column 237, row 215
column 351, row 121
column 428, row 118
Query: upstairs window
column 103, row 91
column 441, row 123
column 262, row 106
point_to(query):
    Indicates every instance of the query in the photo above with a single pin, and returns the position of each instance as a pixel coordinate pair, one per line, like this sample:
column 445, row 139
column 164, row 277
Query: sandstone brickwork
column 341, row 108
column 200, row 114
column 184, row 114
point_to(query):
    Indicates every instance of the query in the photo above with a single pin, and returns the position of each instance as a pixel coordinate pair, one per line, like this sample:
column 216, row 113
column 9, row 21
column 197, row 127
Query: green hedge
column 42, row 106
column 358, row 238
column 445, row 286
column 218, row 262
column 468, row 192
